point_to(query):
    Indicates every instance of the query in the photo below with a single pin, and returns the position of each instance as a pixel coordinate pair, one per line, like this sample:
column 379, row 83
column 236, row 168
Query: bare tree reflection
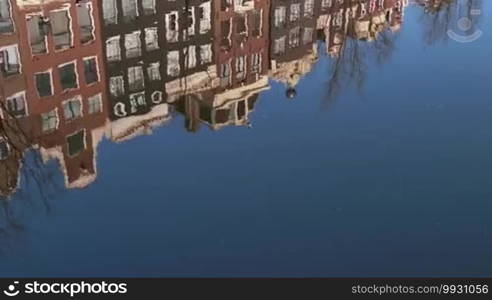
column 348, row 67
column 352, row 65
column 364, row 41
column 20, row 164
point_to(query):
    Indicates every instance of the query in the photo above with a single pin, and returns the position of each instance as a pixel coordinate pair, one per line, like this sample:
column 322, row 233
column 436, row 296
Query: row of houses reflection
column 75, row 72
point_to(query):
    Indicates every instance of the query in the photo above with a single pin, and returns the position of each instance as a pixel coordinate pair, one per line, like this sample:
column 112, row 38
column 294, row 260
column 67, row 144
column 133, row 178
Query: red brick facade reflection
column 55, row 141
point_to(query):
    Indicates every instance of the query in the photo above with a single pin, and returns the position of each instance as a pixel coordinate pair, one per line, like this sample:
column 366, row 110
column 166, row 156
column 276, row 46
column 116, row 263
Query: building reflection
column 76, row 72
column 293, row 47
column 58, row 102
column 363, row 21
column 239, row 70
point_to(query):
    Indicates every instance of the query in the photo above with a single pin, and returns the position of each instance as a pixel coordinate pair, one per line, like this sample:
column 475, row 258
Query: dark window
column 241, row 25
column 4, row 149
column 201, row 13
column 43, row 84
column 221, row 116
column 251, row 102
column 257, row 23
column 68, row 77
column 76, row 143
column 16, row 106
column 180, row 106
column 225, row 42
column 205, row 114
column 90, row 71
column 173, row 23
column 241, row 109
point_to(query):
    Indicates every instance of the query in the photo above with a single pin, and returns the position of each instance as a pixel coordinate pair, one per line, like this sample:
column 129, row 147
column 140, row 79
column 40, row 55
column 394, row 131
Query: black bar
column 233, row 288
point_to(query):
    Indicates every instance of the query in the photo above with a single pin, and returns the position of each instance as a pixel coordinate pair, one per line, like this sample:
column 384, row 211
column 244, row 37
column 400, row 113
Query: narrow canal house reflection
column 240, row 68
column 59, row 44
column 293, row 48
column 154, row 50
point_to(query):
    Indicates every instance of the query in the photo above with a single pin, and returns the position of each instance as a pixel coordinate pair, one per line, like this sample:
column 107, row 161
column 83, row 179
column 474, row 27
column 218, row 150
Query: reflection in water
column 356, row 32
column 75, row 72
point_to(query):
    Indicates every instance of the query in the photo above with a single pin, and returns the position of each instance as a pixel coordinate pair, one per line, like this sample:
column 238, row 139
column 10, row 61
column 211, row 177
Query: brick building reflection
column 58, row 45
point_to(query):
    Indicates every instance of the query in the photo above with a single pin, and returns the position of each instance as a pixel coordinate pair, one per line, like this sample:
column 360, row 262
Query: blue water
column 394, row 179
